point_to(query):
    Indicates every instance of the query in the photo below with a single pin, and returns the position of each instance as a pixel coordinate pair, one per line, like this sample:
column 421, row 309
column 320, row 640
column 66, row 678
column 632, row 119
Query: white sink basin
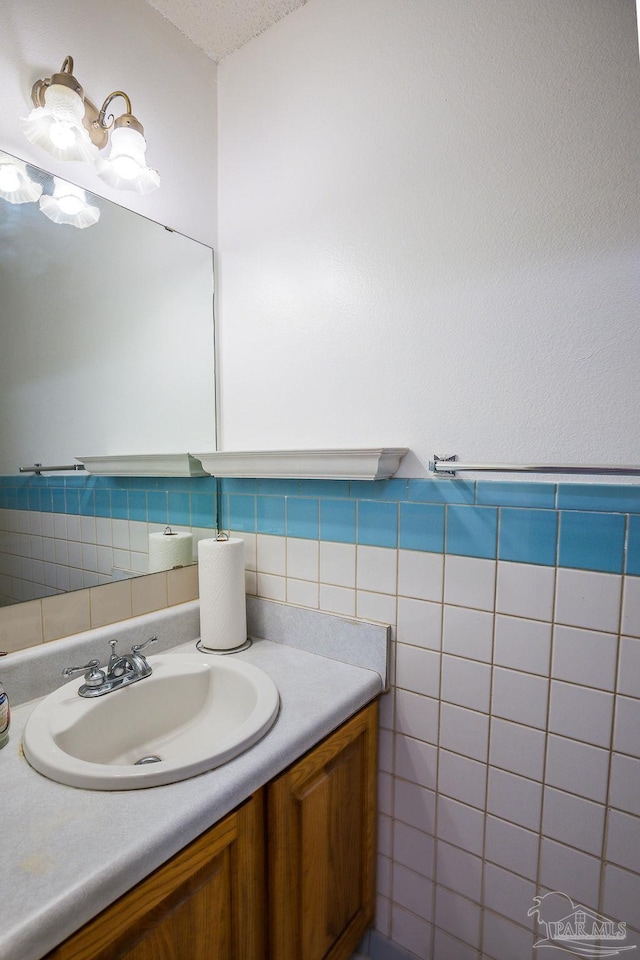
column 194, row 713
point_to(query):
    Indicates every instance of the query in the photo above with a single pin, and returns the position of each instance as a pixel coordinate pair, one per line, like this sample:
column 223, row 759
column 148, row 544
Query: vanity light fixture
column 67, row 125
column 69, row 205
column 16, row 185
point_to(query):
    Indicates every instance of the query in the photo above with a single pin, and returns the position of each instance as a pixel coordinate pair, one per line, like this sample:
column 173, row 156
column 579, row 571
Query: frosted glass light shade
column 57, row 127
column 69, row 205
column 126, row 167
column 15, row 184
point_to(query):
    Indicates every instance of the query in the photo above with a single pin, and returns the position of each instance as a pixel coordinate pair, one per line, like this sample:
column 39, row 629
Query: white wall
column 430, row 230
column 123, row 45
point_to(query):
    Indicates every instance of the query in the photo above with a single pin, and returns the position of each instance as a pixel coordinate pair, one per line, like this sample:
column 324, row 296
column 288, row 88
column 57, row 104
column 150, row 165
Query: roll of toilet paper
column 223, row 610
column 167, row 550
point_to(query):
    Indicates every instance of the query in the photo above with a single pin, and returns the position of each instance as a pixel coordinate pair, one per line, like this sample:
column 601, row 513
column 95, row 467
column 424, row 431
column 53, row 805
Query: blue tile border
column 582, row 526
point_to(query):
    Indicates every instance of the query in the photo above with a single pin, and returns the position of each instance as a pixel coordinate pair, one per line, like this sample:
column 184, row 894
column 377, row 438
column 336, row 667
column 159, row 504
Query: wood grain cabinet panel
column 321, row 846
column 206, row 903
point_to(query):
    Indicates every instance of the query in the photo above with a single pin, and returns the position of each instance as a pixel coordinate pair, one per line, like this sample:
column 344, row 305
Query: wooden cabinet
column 212, row 902
column 206, row 903
column 321, row 848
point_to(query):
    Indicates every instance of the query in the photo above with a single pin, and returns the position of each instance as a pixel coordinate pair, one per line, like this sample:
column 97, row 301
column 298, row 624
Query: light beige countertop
column 66, row 853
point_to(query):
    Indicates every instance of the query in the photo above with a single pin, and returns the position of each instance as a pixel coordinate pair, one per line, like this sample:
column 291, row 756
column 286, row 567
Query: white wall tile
column 447, row 947
column 384, row 867
column 385, row 794
column 416, row 761
column 468, row 633
column 508, row 894
column 469, row 581
column 517, row 748
column 139, row 536
column 512, row 846
column 577, row 767
column 522, row 644
column 588, row 599
column 631, row 607
column 625, row 784
column 466, row 683
column 411, row 932
column 60, row 525
column 622, row 898
column 420, row 575
column 460, row 825
column 302, row 559
column 629, row 667
column 73, row 527
column 376, row 569
column 459, row 870
column 304, row 593
column 457, row 915
column 271, row 556
column 119, row 534
column 504, row 940
column 88, row 529
column 584, row 656
column 412, row 891
column 573, row 820
column 514, row 798
column 90, row 557
column 382, row 920
column 464, row 731
column 338, row 600
column 419, row 623
column 271, row 587
column 46, row 524
column 462, row 778
column 623, row 839
column 75, row 553
column 413, row 849
column 414, row 805
column 626, row 735
column 520, row 696
column 417, row 715
column 417, row 670
column 103, row 531
column 571, row 872
column 250, row 544
column 385, row 750
column 525, row 590
column 376, row 606
column 581, row 713
column 385, row 835
column 338, row 563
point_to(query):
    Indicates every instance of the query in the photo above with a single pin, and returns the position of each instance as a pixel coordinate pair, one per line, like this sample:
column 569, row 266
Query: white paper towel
column 168, row 550
column 223, row 610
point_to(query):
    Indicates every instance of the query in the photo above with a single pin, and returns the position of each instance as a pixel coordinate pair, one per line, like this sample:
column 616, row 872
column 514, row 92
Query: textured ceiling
column 221, row 26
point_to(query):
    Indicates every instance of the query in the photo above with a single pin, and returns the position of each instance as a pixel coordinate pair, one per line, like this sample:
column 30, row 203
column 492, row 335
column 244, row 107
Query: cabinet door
column 206, row 903
column 321, row 846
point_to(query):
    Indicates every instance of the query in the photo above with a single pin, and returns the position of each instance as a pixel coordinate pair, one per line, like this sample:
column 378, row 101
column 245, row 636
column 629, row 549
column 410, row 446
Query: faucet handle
column 93, row 675
column 140, row 646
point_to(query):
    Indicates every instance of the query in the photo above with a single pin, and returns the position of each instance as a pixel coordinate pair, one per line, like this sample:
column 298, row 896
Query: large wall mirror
column 106, row 336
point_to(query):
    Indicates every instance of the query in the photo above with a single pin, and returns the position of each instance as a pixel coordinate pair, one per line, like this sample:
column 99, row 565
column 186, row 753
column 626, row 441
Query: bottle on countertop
column 5, row 717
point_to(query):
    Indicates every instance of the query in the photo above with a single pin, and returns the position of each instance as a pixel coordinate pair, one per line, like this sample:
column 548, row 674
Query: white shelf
column 145, row 465
column 368, row 464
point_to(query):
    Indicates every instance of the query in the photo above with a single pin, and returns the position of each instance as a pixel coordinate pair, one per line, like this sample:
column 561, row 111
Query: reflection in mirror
column 106, row 348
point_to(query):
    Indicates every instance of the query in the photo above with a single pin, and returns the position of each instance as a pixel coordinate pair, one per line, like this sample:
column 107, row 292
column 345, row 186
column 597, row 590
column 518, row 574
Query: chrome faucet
column 120, row 671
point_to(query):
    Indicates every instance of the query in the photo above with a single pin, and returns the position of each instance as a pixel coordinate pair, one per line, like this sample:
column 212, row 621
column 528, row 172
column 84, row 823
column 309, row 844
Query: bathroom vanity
column 269, row 855
column 289, row 874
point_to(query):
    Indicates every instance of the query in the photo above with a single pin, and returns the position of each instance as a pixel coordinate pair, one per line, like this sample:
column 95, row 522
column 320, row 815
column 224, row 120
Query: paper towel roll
column 167, row 550
column 223, row 610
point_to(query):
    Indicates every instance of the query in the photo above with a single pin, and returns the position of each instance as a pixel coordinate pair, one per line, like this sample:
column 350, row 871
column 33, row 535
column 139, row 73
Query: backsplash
column 509, row 756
